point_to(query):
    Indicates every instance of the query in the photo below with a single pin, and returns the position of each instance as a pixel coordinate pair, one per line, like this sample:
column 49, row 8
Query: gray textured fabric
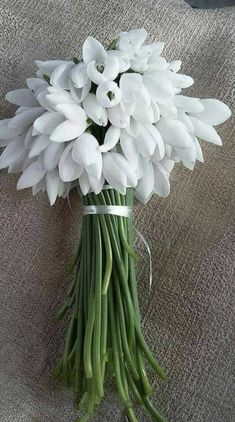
column 189, row 319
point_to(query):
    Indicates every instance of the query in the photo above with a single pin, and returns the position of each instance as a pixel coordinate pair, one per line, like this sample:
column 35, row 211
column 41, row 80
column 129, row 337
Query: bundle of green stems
column 104, row 337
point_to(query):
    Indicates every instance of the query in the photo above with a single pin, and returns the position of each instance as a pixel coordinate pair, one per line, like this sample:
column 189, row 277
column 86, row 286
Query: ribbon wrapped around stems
column 120, row 210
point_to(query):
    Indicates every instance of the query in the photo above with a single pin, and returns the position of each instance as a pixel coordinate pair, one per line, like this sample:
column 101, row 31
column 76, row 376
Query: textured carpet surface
column 189, row 318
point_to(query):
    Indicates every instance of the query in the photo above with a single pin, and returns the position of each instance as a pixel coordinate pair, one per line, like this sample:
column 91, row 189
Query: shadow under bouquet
column 112, row 124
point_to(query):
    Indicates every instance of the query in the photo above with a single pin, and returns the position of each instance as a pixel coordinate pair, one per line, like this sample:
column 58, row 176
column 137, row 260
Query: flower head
column 117, row 116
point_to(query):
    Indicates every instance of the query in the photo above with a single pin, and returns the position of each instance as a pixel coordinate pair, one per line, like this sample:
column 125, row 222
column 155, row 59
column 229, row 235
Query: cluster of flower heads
column 117, row 116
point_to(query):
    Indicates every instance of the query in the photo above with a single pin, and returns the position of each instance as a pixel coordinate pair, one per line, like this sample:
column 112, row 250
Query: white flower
column 213, row 112
column 118, row 172
column 47, row 67
column 111, row 139
column 108, row 94
column 87, row 154
column 131, row 41
column 101, row 67
column 159, row 86
column 123, row 59
column 69, row 169
column 95, row 110
column 80, row 84
column 61, row 75
column 117, row 117
column 136, row 101
column 73, row 127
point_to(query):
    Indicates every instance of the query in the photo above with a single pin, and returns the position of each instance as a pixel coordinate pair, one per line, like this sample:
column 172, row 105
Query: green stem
column 105, row 327
column 98, row 297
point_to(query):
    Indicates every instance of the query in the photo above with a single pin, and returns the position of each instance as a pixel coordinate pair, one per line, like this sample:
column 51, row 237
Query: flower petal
column 175, row 65
column 130, row 85
column 7, row 132
column 84, row 183
column 118, row 117
column 51, row 155
column 48, row 122
column 4, row 142
column 159, row 151
column 167, row 164
column 114, row 177
column 145, row 185
column 108, row 94
column 158, row 63
column 22, row 97
column 157, row 48
column 52, row 185
column 174, row 133
column 13, row 152
column 111, row 138
column 42, row 98
column 93, row 50
column 188, row 104
column 199, row 154
column 74, row 113
column 133, row 129
column 187, row 156
column 143, row 113
column 159, row 87
column 129, row 148
column 95, row 111
column 133, row 38
column 40, row 142
column 79, row 75
column 96, row 184
column 214, row 113
column 124, row 62
column 178, row 80
column 86, row 90
column 47, row 67
column 168, row 110
column 21, row 120
column 85, row 150
column 156, row 111
column 61, row 74
column 36, row 84
column 161, row 181
column 125, row 166
column 69, row 170
column 29, row 138
column 145, row 141
column 205, row 131
column 66, row 131
column 111, row 69
column 65, row 188
column 76, row 93
column 60, row 96
column 94, row 74
column 40, row 186
column 31, row 175
column 17, row 166
column 94, row 170
column 185, row 119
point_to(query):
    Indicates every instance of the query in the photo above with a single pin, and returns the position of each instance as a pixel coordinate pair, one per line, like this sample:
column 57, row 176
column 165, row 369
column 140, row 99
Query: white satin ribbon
column 120, row 210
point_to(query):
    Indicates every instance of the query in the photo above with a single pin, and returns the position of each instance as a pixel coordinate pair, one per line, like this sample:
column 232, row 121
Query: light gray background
column 189, row 320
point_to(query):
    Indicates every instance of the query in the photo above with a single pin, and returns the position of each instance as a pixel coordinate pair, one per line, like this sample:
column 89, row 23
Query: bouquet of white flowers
column 112, row 124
